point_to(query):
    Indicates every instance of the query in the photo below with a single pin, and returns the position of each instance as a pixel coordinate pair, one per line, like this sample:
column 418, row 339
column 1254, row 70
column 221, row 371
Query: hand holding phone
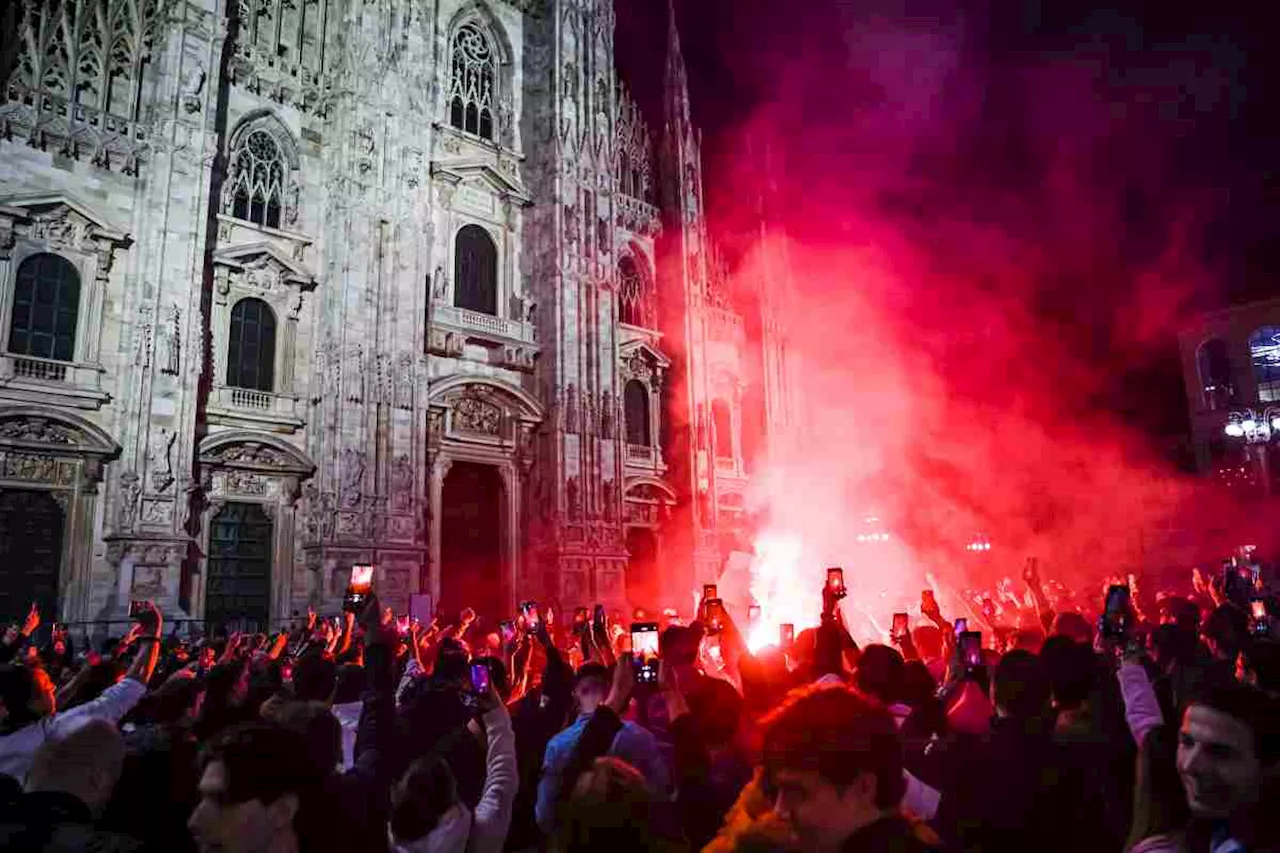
column 970, row 649
column 835, row 582
column 644, row 649
column 753, row 614
column 786, row 635
column 901, row 627
column 709, row 591
column 714, row 612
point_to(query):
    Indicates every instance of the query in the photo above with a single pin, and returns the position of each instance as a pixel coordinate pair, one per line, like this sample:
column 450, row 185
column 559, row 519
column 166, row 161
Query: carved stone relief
column 474, row 411
column 353, row 462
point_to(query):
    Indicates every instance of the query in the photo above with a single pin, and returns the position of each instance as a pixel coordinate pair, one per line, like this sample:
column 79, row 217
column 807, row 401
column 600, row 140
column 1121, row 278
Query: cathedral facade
column 290, row 285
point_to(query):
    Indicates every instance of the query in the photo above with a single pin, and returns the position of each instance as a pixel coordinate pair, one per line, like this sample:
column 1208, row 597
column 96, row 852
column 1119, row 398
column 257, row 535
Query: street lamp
column 1256, row 431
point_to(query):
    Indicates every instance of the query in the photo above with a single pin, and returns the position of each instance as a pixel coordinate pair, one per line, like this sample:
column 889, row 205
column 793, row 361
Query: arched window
column 1214, row 367
column 475, row 271
column 258, row 172
column 251, row 346
column 723, row 424
column 635, row 297
column 46, row 306
column 472, row 82
column 635, row 408
column 1264, row 350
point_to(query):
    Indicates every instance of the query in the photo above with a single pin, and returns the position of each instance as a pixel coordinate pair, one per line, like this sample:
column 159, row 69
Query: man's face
column 1216, row 760
column 221, row 826
column 820, row 814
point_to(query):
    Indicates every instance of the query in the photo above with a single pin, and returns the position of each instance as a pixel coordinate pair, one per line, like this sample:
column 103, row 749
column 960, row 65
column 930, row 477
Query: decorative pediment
column 264, row 266
column 482, row 177
column 642, row 360
column 61, row 220
column 35, row 428
column 253, row 451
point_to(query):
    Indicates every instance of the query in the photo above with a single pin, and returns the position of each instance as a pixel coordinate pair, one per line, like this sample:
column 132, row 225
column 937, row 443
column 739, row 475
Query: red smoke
column 983, row 255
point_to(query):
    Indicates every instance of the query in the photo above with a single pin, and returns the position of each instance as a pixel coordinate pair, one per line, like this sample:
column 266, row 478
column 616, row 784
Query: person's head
column 1176, row 610
column 1027, row 640
column 425, row 796
column 608, row 809
column 1072, row 672
column 591, row 686
column 835, row 760
column 84, row 762
column 1260, row 665
column 1227, row 741
column 1173, row 644
column 319, row 730
column 350, row 684
column 879, row 673
column 1075, row 626
column 678, row 645
column 313, row 677
column 17, row 697
column 928, row 641
column 717, row 707
column 254, row 779
column 1159, row 802
column 1020, row 687
column 1225, row 632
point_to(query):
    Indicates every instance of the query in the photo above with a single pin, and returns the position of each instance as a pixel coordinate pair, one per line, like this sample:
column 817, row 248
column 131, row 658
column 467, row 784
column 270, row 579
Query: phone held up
column 753, row 614
column 644, row 649
column 480, row 679
column 1115, row 612
column 786, row 635
column 529, row 609
column 709, row 591
column 1258, row 623
column 359, row 588
column 835, row 582
column 971, row 649
column 714, row 608
column 962, row 625
column 901, row 627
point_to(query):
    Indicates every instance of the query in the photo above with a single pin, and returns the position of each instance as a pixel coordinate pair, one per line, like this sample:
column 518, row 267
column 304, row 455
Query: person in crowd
column 70, row 780
column 609, row 808
column 256, row 780
column 427, row 815
column 1229, row 761
column 28, row 701
column 632, row 743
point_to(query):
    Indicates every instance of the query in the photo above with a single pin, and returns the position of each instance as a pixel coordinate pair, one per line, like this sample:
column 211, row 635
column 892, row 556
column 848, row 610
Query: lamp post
column 1256, row 432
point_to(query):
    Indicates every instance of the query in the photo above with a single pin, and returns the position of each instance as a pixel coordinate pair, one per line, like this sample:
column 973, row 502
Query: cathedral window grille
column 46, row 308
column 635, row 295
column 91, row 53
column 635, row 410
column 1264, row 351
column 472, row 98
column 258, row 171
column 723, row 424
column 475, row 271
column 632, row 142
column 251, row 346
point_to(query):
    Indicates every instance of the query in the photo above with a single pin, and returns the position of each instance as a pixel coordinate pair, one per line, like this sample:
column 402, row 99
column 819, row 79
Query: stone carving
column 192, row 87
column 245, row 483
column 353, row 462
column 130, row 489
column 571, row 408
column 36, row 468
column 38, row 431
column 382, row 371
column 573, row 499
column 638, row 367
column 570, row 224
column 609, row 494
column 61, row 228
column 355, row 374
column 606, row 415
column 157, row 512
column 435, row 425
column 171, row 343
column 363, row 144
column 472, row 412
column 439, row 284
column 249, row 453
column 404, row 381
column 147, row 583
column 160, row 457
column 401, row 483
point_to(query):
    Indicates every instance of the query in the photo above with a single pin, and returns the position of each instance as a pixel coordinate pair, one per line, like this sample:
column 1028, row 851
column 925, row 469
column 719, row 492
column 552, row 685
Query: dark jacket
column 894, row 834
column 1014, row 789
column 56, row 823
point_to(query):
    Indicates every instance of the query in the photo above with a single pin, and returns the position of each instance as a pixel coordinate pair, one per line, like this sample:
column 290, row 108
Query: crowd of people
column 1150, row 725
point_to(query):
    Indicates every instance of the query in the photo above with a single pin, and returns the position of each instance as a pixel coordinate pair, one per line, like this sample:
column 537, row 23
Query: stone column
column 438, row 469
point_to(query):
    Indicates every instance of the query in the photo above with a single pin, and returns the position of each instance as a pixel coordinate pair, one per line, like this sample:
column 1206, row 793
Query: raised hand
column 32, row 622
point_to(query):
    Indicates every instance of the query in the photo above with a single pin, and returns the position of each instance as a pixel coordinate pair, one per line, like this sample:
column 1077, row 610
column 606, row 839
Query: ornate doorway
column 471, row 552
column 238, row 591
column 31, row 528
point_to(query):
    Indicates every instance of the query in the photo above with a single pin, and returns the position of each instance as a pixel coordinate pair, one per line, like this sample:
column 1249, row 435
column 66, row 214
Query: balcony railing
column 258, row 406
column 243, row 398
column 461, row 318
column 40, row 369
column 642, row 453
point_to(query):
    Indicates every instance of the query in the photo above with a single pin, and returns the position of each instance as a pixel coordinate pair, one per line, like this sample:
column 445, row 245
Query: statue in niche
column 161, row 453
column 571, row 408
column 171, row 343
column 572, row 499
column 352, row 476
column 606, row 415
column 438, row 283
column 401, row 482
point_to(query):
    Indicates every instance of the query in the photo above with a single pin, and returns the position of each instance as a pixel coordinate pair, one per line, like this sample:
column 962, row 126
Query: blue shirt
column 633, row 744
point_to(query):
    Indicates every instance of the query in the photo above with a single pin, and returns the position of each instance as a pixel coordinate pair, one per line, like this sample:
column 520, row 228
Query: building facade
column 296, row 284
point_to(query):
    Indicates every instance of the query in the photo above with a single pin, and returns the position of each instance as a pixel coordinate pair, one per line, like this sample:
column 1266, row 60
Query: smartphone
column 786, row 635
column 971, row 648
column 479, row 679
column 753, row 614
column 835, row 581
column 962, row 625
column 1115, row 613
column 715, row 615
column 1258, row 626
column 358, row 587
column 530, row 611
column 709, row 591
column 508, row 629
column 579, row 619
column 928, row 604
column 402, row 625
column 644, row 648
column 901, row 626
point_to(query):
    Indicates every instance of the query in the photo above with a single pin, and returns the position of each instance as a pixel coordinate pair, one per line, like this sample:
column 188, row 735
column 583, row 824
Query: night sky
column 1191, row 87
